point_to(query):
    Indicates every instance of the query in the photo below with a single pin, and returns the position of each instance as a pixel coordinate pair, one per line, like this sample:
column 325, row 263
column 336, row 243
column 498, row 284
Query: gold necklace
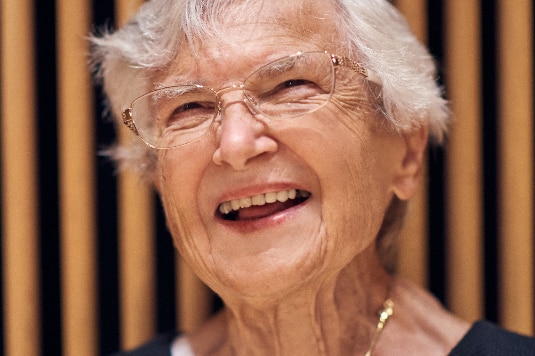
column 387, row 312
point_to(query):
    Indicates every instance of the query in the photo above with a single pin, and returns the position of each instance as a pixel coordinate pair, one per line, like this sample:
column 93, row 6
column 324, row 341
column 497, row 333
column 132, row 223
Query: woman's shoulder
column 485, row 338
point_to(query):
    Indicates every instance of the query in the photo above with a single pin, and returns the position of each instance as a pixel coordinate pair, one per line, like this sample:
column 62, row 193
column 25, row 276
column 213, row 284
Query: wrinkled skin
column 303, row 279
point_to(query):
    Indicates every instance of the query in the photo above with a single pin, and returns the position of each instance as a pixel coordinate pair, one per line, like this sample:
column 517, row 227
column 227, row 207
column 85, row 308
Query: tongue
column 259, row 212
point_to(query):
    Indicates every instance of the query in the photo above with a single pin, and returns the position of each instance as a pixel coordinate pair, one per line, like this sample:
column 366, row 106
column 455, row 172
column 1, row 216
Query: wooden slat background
column 87, row 266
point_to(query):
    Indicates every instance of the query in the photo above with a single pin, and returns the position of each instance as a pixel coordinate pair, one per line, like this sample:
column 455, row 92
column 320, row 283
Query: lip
column 270, row 220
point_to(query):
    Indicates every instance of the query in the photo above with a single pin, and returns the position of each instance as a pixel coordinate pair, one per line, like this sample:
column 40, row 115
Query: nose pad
column 251, row 104
column 218, row 113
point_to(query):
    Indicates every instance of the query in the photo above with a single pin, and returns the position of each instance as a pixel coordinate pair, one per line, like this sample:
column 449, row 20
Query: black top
column 487, row 339
column 484, row 338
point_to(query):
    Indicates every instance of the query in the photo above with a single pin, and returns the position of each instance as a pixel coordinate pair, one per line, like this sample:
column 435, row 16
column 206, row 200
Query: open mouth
column 262, row 205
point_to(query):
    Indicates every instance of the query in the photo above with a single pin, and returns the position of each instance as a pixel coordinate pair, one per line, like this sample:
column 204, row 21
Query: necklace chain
column 386, row 312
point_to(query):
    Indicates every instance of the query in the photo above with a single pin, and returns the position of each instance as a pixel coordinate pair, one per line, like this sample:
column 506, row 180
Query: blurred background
column 87, row 266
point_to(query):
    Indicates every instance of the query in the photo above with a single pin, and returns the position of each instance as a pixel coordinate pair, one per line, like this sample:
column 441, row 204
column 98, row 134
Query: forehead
column 304, row 18
column 245, row 34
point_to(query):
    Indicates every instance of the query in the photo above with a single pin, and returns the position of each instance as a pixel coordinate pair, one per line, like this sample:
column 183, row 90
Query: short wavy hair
column 376, row 35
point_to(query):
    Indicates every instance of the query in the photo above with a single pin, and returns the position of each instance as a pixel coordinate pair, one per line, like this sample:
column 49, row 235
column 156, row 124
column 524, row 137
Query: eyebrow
column 281, row 66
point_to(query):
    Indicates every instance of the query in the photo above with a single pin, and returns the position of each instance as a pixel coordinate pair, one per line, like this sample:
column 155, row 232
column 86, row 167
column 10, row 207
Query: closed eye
column 294, row 83
column 193, row 106
column 191, row 114
column 293, row 89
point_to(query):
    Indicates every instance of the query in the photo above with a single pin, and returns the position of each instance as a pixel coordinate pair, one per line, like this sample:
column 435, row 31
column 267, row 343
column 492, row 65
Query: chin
column 268, row 278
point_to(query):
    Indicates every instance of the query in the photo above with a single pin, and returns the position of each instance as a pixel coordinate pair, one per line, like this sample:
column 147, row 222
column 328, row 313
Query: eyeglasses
column 286, row 88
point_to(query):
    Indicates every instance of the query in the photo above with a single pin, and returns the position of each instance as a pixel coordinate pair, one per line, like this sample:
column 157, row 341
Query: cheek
column 355, row 198
column 179, row 181
column 180, row 174
column 341, row 148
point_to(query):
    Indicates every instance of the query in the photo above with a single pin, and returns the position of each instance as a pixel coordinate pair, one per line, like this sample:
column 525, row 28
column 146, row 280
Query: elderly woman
column 284, row 139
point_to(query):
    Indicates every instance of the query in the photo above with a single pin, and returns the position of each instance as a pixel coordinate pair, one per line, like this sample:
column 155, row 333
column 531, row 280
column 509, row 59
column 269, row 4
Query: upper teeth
column 261, row 199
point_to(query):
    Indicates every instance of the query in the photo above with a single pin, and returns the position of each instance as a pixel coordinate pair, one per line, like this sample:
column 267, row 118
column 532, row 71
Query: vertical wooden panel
column 125, row 9
column 464, row 161
column 19, row 193
column 413, row 244
column 136, row 239
column 136, row 261
column 415, row 11
column 516, row 164
column 77, row 193
column 194, row 298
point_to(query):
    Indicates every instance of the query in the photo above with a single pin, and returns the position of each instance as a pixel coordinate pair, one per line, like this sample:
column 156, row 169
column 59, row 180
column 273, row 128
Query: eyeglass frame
column 337, row 61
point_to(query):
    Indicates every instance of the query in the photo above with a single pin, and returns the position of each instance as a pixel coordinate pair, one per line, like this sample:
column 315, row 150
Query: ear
column 409, row 173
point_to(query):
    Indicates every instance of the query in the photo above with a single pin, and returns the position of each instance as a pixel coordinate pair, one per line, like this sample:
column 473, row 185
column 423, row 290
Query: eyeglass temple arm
column 356, row 67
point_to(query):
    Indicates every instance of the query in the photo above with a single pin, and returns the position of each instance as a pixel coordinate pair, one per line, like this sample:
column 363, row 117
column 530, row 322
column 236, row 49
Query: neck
column 337, row 316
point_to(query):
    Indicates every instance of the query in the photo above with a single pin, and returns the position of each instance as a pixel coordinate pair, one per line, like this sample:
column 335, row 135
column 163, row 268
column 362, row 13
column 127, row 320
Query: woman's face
column 344, row 163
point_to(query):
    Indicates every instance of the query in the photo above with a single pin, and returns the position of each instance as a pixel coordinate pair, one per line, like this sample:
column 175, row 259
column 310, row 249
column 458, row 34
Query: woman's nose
column 240, row 136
